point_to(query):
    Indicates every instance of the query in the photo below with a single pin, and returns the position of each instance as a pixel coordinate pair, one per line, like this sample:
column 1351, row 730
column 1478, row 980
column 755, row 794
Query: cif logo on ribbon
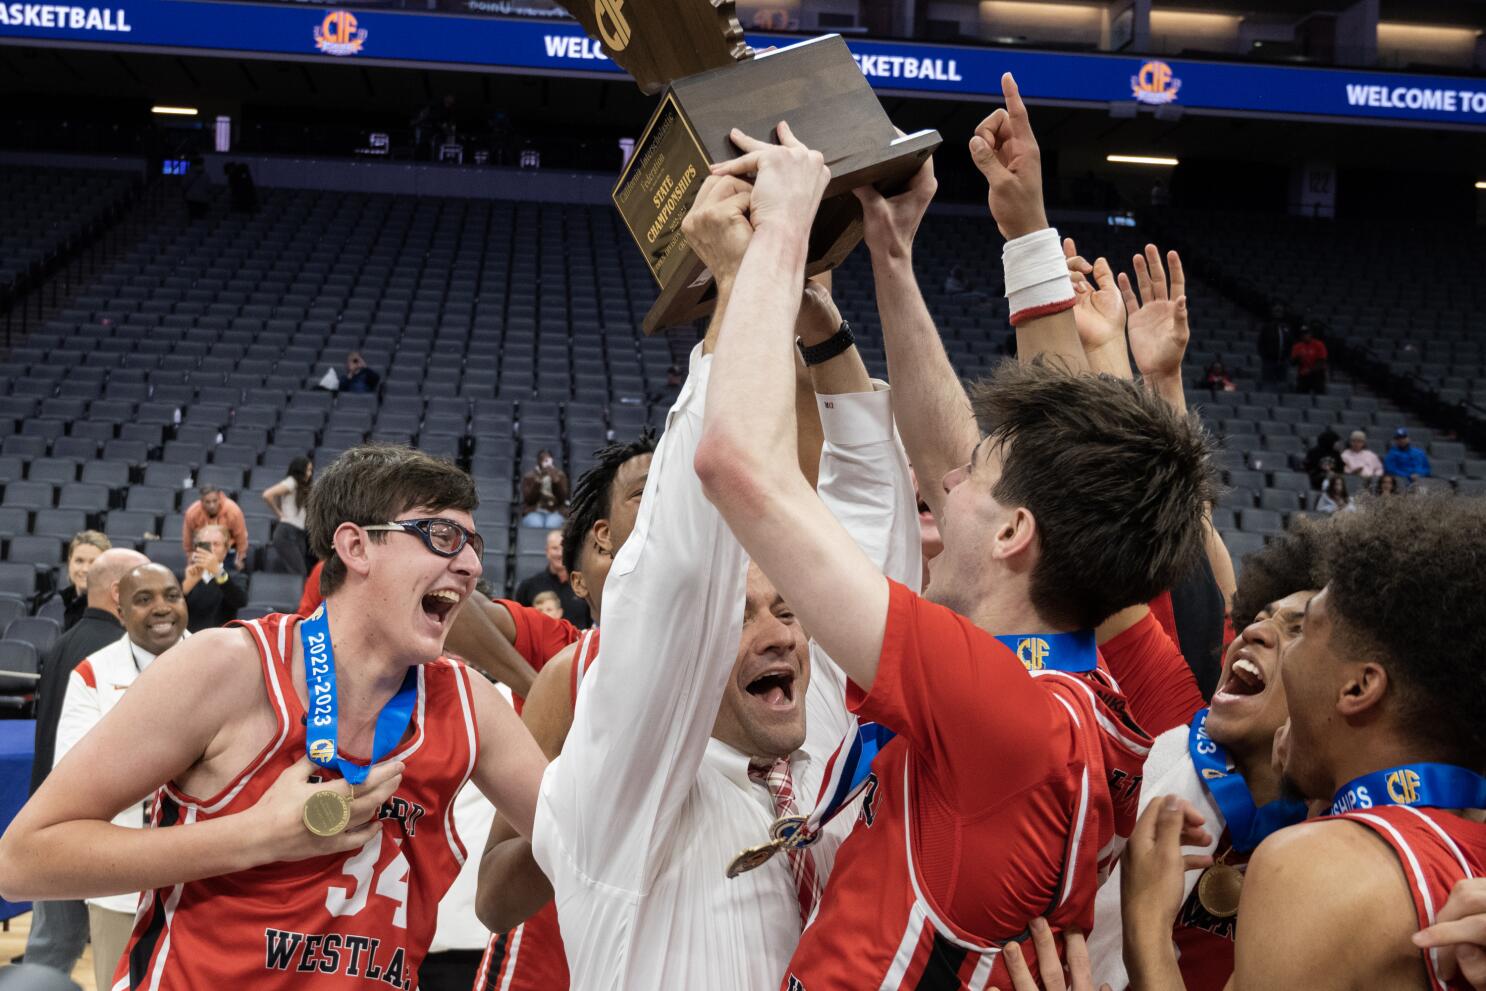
column 1155, row 84
column 1032, row 652
column 1403, row 786
column 339, row 35
column 322, row 750
column 614, row 28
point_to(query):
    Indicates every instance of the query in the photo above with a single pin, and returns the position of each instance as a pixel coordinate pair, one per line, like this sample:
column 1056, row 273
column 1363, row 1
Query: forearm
column 753, row 404
column 1169, row 388
column 1054, row 338
column 511, row 888
column 937, row 424
column 90, row 858
column 1111, row 359
column 807, row 425
column 478, row 638
column 1150, row 957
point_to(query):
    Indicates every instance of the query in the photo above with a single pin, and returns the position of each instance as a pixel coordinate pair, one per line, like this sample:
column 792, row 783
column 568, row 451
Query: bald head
column 105, row 573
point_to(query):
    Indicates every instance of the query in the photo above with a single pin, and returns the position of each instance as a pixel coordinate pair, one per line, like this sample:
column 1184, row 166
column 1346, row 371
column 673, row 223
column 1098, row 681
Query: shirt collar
column 733, row 763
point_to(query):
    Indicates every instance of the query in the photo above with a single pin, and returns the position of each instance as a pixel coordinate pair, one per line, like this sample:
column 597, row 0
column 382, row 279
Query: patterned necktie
column 776, row 777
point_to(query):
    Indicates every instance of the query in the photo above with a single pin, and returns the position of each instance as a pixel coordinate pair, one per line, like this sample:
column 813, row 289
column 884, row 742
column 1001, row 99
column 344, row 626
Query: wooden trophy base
column 817, row 88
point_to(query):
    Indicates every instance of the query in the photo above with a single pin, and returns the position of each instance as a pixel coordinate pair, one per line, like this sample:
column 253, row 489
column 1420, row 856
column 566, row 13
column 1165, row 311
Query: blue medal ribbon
column 1423, row 785
column 1247, row 824
column 321, row 721
column 1075, row 651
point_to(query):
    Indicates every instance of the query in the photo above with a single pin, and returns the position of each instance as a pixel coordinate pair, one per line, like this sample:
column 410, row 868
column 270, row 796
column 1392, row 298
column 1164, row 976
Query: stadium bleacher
column 500, row 328
column 44, row 212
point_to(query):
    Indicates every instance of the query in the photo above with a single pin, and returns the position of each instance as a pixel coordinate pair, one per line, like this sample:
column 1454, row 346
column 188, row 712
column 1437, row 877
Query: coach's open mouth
column 774, row 686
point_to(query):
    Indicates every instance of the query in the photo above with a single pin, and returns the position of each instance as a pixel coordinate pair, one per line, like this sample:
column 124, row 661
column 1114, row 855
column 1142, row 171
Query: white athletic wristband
column 1036, row 273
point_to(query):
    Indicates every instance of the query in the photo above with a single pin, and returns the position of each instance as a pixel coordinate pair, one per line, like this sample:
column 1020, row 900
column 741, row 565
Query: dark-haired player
column 525, row 950
column 1221, row 763
column 1004, row 793
column 1384, row 687
column 267, row 864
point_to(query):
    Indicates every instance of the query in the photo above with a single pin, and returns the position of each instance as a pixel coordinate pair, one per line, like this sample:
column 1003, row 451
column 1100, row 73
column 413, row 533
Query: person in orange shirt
column 1309, row 358
column 216, row 508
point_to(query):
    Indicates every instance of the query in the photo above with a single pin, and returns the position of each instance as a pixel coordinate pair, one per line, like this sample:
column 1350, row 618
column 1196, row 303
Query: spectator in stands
column 1320, row 460
column 1274, row 346
column 1388, row 485
column 1359, row 460
column 59, row 930
column 544, row 493
column 955, row 282
column 154, row 615
column 215, row 507
column 549, row 603
column 1308, row 355
column 1334, row 497
column 82, row 551
column 1216, row 378
column 359, row 377
column 288, row 499
column 555, row 578
column 213, row 596
column 197, row 189
column 1404, row 461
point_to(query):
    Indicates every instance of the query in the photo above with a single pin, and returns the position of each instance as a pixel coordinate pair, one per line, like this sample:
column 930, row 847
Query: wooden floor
column 13, row 944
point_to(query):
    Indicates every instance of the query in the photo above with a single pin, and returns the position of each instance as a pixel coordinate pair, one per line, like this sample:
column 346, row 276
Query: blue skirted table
column 17, row 747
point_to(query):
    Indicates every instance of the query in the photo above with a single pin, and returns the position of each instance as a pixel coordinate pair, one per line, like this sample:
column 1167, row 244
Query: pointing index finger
column 1015, row 108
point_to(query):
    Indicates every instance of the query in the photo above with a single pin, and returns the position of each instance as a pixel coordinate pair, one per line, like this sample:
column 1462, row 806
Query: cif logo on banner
column 1403, row 786
column 613, row 26
column 339, row 35
column 322, row 750
column 1155, row 84
column 1032, row 652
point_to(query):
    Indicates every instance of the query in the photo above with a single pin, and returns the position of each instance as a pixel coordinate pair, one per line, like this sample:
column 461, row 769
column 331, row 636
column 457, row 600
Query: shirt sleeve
column 865, row 483
column 189, row 523
column 80, row 709
column 539, row 637
column 240, row 534
column 673, row 616
column 984, row 727
column 1153, row 676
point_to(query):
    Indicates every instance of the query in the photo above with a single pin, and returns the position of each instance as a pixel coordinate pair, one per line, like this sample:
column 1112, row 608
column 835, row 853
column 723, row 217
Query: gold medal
column 1219, row 888
column 327, row 812
column 754, row 856
column 789, row 832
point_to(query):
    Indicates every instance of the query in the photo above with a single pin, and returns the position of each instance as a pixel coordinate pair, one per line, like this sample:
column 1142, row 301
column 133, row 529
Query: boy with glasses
column 305, row 768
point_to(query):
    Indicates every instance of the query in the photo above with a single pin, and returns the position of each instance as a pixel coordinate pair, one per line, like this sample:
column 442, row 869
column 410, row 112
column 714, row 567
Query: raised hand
column 789, row 179
column 717, row 226
column 1152, row 866
column 1157, row 324
column 1005, row 151
column 890, row 223
column 1100, row 310
column 819, row 318
column 1459, row 934
column 1079, row 975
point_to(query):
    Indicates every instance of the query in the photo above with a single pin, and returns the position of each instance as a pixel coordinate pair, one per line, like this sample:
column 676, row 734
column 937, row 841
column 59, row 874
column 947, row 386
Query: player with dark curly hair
column 1231, row 741
column 1384, row 687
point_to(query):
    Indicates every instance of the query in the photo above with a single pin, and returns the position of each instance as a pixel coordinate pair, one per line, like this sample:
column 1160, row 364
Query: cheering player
column 1384, row 687
column 1002, row 795
column 1221, row 764
column 267, row 865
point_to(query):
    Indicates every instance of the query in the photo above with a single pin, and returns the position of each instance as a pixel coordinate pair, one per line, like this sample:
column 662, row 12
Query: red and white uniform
column 350, row 920
column 1004, row 797
column 1436, row 849
column 530, row 957
column 539, row 638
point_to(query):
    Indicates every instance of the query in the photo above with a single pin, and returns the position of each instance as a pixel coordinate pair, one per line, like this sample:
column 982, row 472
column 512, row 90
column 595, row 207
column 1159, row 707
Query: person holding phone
column 214, row 591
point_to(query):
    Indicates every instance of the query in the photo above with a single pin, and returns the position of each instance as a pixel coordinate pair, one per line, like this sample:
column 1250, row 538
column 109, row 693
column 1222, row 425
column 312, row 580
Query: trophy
column 713, row 82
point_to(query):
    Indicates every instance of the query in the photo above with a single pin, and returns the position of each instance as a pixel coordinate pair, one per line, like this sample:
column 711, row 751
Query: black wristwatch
column 817, row 354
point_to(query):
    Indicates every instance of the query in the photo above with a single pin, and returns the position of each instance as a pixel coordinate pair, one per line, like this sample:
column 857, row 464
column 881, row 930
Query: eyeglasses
column 446, row 538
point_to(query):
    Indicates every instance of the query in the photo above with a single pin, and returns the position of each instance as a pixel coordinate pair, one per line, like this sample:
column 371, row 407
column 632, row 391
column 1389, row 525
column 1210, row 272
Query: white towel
column 1168, row 771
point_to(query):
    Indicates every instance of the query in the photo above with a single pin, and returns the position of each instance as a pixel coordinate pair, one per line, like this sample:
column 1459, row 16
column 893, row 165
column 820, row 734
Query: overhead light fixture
column 165, row 111
column 1481, row 184
column 1140, row 160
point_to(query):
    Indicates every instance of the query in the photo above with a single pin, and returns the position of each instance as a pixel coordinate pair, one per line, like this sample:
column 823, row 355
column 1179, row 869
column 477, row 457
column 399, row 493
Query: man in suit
column 59, row 930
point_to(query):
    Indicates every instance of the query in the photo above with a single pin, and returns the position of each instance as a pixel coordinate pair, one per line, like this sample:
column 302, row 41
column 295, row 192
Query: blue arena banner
column 348, row 34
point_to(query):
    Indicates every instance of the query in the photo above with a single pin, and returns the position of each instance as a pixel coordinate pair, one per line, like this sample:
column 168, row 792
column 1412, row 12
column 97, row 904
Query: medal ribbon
column 1247, row 824
column 321, row 723
column 1439, row 786
column 851, row 764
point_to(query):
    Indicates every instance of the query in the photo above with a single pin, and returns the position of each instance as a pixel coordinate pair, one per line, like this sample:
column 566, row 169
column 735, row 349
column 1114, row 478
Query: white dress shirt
column 94, row 687
column 639, row 817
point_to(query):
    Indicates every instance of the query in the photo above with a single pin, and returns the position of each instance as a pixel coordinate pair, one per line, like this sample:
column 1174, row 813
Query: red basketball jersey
column 531, row 956
column 362, row 919
column 940, row 833
column 1436, row 850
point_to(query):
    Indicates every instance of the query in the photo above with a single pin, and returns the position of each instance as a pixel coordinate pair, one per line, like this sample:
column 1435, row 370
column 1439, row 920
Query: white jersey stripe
column 1420, row 884
column 512, row 954
column 903, row 957
column 461, row 673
